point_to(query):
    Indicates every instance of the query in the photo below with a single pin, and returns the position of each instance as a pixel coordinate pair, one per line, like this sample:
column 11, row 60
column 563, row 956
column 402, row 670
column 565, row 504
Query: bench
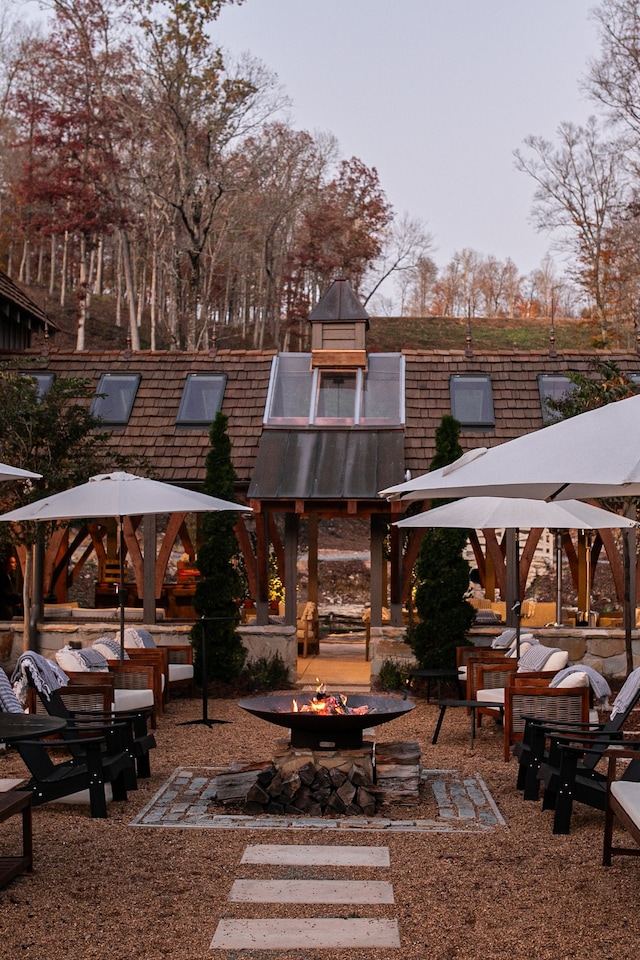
column 11, row 803
column 623, row 805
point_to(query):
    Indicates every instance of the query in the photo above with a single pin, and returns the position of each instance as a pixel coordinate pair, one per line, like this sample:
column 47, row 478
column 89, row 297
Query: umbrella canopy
column 487, row 513
column 120, row 495
column 596, row 454
column 16, row 473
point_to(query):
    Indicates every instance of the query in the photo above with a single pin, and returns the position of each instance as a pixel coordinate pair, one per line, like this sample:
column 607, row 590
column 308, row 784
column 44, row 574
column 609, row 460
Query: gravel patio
column 109, row 889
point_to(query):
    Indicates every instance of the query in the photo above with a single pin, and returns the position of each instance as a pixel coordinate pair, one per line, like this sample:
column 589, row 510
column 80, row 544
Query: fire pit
column 322, row 731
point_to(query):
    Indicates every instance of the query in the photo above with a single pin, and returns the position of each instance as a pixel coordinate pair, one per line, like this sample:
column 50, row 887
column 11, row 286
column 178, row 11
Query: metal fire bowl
column 326, row 732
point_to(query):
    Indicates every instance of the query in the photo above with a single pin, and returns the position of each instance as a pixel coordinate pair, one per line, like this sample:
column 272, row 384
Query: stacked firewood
column 312, row 790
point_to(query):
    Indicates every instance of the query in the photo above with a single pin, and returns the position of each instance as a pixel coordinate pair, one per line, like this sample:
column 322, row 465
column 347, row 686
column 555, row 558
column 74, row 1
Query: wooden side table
column 11, row 803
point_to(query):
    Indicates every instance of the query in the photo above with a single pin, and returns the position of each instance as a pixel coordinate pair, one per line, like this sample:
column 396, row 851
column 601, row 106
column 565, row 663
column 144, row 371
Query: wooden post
column 291, row 527
column 396, row 577
column 262, row 549
column 377, row 543
column 312, row 563
column 149, row 588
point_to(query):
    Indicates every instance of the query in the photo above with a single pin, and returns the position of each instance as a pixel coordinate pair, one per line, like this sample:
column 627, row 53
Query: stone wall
column 604, row 650
column 258, row 641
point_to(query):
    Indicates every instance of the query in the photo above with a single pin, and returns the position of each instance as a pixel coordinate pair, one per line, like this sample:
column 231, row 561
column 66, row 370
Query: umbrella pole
column 517, row 607
column 121, row 590
column 558, row 578
column 204, row 720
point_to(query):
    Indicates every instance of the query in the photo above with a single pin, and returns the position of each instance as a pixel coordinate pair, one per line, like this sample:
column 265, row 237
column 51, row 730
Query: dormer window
column 201, row 399
column 472, row 400
column 114, row 398
column 553, row 386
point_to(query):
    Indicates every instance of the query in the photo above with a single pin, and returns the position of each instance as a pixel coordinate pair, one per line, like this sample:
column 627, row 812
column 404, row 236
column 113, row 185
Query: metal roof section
column 326, row 464
column 339, row 303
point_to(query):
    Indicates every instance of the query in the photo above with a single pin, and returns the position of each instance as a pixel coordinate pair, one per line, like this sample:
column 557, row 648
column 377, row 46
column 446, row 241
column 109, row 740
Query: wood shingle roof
column 177, row 453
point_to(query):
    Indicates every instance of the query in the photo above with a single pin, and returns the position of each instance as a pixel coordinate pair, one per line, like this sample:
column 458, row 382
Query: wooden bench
column 12, row 803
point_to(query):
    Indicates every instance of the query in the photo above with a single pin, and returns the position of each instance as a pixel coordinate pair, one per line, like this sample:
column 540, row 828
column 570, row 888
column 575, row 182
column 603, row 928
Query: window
column 553, row 386
column 383, row 391
column 289, row 397
column 42, row 382
column 201, row 398
column 300, row 395
column 114, row 397
column 336, row 397
column 472, row 400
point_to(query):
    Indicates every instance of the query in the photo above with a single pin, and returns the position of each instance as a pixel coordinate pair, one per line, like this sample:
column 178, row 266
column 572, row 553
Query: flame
column 326, row 704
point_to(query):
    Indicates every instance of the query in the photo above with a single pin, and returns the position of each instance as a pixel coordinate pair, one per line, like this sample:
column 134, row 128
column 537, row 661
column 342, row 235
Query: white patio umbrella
column 488, row 513
column 120, row 495
column 593, row 455
column 16, row 473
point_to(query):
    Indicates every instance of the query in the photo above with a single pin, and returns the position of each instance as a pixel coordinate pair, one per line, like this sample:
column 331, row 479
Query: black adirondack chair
column 71, row 703
column 540, row 751
column 95, row 760
column 577, row 781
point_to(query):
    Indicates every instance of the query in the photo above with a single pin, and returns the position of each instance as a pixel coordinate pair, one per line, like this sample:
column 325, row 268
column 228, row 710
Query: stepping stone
column 309, row 854
column 330, row 933
column 311, row 891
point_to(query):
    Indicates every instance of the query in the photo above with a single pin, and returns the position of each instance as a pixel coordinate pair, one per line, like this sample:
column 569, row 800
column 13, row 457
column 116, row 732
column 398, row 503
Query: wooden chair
column 307, row 629
column 528, row 695
column 622, row 804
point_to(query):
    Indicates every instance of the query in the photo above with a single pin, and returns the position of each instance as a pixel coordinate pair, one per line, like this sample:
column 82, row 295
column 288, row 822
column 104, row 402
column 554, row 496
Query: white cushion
column 109, row 648
column 491, row 695
column 574, row 680
column 462, row 673
column 180, row 671
column 70, row 661
column 557, row 661
column 132, row 699
column 594, row 716
column 627, row 793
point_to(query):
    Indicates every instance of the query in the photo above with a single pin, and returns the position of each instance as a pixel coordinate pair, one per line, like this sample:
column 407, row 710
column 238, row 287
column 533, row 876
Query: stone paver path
column 310, row 932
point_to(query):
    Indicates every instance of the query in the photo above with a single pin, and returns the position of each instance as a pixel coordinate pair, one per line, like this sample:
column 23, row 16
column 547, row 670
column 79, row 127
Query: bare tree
column 581, row 188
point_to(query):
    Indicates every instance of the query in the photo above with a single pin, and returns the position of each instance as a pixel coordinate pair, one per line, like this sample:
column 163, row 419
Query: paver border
column 448, row 822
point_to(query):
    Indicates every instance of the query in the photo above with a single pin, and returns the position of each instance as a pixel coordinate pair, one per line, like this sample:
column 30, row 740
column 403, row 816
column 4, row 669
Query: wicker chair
column 527, row 695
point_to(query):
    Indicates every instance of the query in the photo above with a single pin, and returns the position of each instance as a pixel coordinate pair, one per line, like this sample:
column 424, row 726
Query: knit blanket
column 600, row 687
column 535, row 658
column 628, row 694
column 45, row 675
column 9, row 703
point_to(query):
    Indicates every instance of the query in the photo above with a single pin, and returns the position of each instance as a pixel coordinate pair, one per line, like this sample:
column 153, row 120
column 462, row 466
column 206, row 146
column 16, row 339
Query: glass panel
column 381, row 396
column 336, row 396
column 42, row 382
column 201, row 398
column 472, row 400
column 290, row 389
column 119, row 391
column 553, row 386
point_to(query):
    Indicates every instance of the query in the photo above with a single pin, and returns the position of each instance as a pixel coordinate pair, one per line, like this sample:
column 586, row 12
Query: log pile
column 312, row 791
column 398, row 772
column 315, row 783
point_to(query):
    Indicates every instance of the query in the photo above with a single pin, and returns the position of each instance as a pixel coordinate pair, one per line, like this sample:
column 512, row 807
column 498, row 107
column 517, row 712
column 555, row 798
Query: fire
column 327, row 704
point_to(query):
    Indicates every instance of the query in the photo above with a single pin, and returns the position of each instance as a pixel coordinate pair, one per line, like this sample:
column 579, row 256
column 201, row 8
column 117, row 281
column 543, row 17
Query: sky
column 436, row 95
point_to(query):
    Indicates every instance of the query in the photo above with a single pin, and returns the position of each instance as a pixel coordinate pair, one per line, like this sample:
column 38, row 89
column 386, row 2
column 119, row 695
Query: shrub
column 393, row 675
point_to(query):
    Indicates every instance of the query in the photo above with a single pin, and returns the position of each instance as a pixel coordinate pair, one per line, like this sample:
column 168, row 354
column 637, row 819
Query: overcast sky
column 436, row 94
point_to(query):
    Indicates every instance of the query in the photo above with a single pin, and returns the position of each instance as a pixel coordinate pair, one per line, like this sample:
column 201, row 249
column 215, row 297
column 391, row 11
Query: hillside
column 387, row 334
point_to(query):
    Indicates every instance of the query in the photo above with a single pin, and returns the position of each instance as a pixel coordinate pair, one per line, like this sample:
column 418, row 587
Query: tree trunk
column 131, row 293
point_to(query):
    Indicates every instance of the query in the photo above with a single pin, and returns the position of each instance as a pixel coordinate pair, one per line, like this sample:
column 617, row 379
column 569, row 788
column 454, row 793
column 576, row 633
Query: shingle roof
column 14, row 296
column 177, row 453
column 516, row 399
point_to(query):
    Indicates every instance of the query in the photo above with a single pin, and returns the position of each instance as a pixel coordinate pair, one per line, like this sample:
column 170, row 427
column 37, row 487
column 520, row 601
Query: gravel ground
column 105, row 890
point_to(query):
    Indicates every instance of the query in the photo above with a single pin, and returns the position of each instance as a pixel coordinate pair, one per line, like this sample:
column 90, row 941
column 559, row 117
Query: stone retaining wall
column 604, row 650
column 258, row 641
